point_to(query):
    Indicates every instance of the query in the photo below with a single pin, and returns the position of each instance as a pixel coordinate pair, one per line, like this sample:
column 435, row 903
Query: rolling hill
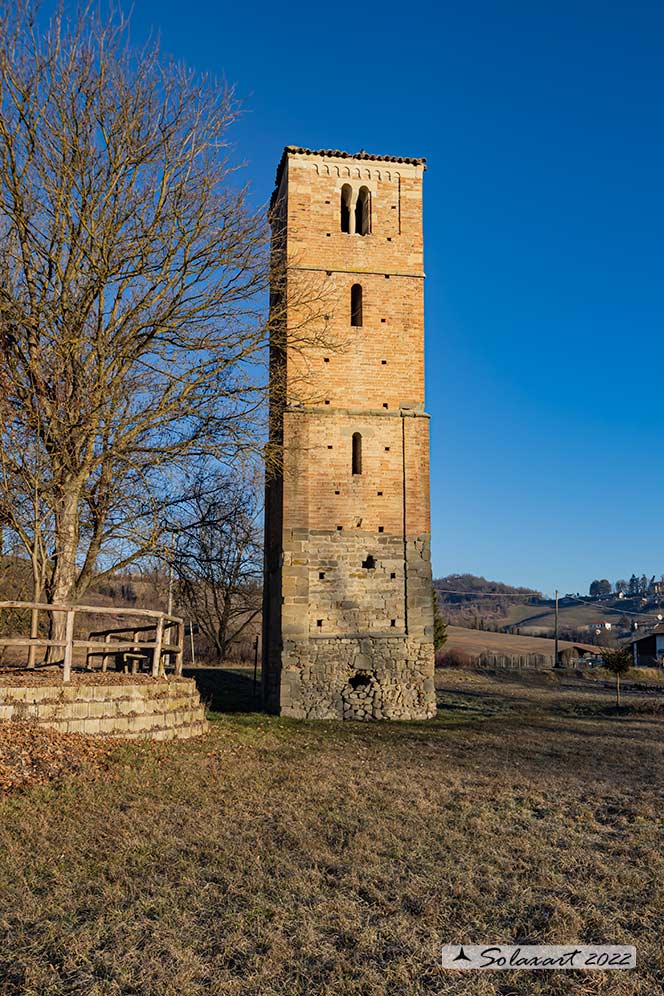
column 476, row 603
column 475, row 642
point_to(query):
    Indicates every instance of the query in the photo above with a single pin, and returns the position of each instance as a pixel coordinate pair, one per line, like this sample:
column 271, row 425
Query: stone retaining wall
column 163, row 710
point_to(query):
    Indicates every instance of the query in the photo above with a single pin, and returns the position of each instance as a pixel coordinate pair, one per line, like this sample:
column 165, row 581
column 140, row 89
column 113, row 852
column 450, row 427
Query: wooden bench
column 128, row 658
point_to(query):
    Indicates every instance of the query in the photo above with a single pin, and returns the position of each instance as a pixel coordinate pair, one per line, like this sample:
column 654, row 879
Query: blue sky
column 544, row 221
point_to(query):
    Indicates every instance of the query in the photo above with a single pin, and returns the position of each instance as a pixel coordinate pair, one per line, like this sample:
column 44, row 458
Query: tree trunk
column 34, row 622
column 618, row 690
column 37, row 595
column 222, row 632
column 62, row 589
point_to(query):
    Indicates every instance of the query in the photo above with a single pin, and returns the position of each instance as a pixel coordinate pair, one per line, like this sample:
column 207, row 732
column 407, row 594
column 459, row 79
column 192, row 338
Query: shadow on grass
column 226, row 689
column 230, row 691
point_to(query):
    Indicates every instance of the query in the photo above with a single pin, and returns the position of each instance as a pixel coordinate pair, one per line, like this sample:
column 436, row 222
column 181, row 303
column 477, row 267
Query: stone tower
column 348, row 616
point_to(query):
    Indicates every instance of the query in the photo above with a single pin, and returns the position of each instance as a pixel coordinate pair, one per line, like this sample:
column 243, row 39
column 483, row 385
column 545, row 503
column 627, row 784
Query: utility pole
column 171, row 573
column 170, row 589
column 169, row 610
column 191, row 641
column 556, row 662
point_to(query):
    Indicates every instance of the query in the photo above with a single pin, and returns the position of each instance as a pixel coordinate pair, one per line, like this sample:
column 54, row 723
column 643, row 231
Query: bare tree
column 132, row 269
column 217, row 559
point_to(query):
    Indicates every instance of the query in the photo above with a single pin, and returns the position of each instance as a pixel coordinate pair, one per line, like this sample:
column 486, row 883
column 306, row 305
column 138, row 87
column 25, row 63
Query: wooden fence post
column 69, row 645
column 179, row 657
column 34, row 632
column 159, row 639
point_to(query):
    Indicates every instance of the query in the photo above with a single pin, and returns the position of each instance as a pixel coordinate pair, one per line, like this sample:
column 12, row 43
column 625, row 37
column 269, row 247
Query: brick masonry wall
column 160, row 711
column 378, row 365
column 343, row 640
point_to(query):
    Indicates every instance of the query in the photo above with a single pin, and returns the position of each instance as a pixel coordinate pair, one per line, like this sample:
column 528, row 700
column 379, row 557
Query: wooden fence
column 104, row 643
column 516, row 662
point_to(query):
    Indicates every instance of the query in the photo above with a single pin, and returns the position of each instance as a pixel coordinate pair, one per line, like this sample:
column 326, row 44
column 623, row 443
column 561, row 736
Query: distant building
column 649, row 650
column 593, row 627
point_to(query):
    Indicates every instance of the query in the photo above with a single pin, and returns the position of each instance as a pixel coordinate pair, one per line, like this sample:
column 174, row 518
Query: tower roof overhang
column 339, row 154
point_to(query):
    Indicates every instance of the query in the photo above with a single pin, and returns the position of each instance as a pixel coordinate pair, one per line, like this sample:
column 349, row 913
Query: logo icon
column 537, row 957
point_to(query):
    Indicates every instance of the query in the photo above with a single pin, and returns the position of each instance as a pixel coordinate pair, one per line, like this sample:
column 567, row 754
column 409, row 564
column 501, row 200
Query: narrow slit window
column 346, row 194
column 356, row 305
column 363, row 212
column 357, row 453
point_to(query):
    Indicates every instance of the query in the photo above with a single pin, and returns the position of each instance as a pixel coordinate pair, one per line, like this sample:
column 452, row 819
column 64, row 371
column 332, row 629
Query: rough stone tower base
column 351, row 675
column 369, row 678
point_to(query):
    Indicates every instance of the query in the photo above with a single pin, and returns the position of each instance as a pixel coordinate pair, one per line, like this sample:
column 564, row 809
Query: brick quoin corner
column 348, row 617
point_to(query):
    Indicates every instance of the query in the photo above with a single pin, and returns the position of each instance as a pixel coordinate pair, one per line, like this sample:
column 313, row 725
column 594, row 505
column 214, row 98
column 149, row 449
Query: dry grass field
column 537, row 618
column 475, row 641
column 283, row 858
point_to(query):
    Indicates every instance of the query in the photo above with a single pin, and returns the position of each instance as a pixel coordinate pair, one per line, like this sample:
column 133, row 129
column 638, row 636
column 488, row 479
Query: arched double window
column 363, row 212
column 355, row 219
column 346, row 199
column 356, row 305
column 357, row 453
